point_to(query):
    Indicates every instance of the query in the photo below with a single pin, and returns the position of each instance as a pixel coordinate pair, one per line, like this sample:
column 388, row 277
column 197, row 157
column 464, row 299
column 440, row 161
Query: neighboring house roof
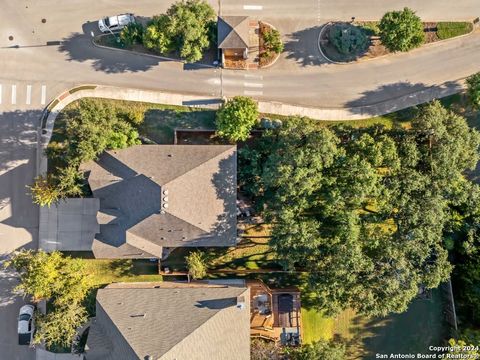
column 233, row 32
column 166, row 323
column 69, row 225
column 153, row 196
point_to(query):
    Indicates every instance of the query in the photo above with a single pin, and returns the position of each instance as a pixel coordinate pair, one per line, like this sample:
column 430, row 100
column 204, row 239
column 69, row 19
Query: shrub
column 473, row 90
column 236, row 118
column 348, row 39
column 132, row 34
column 371, row 28
column 44, row 191
column 196, row 265
column 272, row 41
column 401, row 30
column 446, row 30
column 133, row 115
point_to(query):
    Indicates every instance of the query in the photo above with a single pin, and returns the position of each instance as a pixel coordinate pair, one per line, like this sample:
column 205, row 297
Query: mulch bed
column 265, row 59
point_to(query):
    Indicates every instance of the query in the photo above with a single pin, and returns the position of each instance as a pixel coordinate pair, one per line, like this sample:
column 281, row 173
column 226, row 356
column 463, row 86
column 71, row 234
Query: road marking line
column 0, row 93
column 14, row 94
column 253, row 85
column 44, row 95
column 252, row 7
column 251, row 76
column 29, row 94
column 252, row 93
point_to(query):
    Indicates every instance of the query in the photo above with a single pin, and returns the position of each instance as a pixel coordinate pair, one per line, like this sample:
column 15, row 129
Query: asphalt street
column 45, row 48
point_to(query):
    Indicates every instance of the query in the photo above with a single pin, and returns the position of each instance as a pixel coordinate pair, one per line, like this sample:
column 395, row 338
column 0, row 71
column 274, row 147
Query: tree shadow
column 302, row 47
column 79, row 47
column 390, row 98
column 17, row 171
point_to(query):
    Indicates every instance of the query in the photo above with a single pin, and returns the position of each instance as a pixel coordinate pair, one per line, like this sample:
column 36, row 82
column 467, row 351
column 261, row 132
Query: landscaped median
column 343, row 42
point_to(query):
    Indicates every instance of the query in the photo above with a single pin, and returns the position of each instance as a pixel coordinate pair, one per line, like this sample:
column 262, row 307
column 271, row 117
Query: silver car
column 26, row 325
column 115, row 23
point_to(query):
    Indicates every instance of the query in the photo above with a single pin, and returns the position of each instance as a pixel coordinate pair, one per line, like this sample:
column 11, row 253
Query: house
column 170, row 321
column 149, row 199
column 233, row 38
column 275, row 313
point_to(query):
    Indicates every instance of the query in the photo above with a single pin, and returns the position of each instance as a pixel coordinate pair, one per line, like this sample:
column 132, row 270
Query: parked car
column 26, row 325
column 115, row 23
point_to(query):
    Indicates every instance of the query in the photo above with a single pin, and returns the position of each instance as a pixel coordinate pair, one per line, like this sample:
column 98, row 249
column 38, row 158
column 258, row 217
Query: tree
column 197, row 267
column 401, row 30
column 348, row 39
column 157, row 35
column 189, row 24
column 50, row 276
column 59, row 327
column 44, row 191
column 473, row 90
column 186, row 27
column 365, row 211
column 69, row 181
column 236, row 118
column 458, row 348
column 132, row 34
column 272, row 41
column 319, row 350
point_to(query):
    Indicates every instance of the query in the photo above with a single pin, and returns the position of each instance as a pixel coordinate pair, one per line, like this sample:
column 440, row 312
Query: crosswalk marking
column 14, row 94
column 252, row 7
column 44, row 95
column 252, row 93
column 252, row 76
column 29, row 94
column 253, row 85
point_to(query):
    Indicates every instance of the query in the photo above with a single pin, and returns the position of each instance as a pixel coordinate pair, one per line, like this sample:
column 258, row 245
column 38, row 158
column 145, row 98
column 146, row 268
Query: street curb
column 359, row 61
column 164, row 58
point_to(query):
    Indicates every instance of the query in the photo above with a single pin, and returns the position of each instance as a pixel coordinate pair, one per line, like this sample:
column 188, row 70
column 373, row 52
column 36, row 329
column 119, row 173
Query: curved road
column 39, row 59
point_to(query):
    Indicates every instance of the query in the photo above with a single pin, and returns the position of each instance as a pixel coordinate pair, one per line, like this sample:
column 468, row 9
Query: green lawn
column 446, row 30
column 253, row 252
column 316, row 326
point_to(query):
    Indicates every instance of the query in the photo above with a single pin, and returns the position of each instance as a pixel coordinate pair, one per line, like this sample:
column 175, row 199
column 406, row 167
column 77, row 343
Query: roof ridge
column 198, row 327
column 200, row 164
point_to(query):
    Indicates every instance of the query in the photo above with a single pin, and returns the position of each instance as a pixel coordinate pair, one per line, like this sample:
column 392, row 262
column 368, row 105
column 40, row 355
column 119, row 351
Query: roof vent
column 165, row 192
column 138, row 315
column 165, row 205
column 241, row 302
column 165, row 198
column 162, row 212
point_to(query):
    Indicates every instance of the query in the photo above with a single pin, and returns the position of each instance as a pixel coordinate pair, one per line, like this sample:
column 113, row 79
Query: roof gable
column 154, row 321
column 165, row 195
column 233, row 32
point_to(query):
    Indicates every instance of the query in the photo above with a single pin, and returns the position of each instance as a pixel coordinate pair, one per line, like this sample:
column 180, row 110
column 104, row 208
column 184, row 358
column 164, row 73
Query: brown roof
column 164, row 195
column 197, row 323
column 233, row 32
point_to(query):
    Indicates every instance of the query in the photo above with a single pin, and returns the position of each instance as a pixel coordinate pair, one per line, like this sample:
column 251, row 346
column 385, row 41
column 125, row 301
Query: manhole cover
column 10, row 38
column 44, row 21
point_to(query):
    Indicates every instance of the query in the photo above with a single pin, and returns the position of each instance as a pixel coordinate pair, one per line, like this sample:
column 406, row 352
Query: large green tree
column 364, row 211
column 473, row 90
column 50, row 276
column 58, row 328
column 401, row 30
column 186, row 27
column 236, row 118
column 196, row 264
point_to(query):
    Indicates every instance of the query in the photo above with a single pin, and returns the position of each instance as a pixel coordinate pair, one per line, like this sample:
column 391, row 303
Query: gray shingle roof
column 233, row 32
column 164, row 195
column 170, row 323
